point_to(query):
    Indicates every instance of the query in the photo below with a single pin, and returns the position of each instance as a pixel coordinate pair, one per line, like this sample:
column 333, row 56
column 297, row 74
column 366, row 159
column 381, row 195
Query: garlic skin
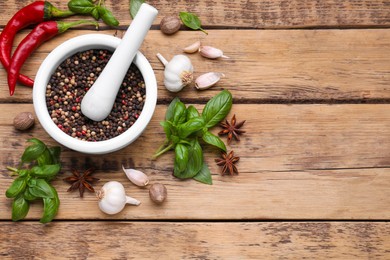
column 211, row 52
column 208, row 80
column 178, row 72
column 137, row 177
column 112, row 198
column 192, row 48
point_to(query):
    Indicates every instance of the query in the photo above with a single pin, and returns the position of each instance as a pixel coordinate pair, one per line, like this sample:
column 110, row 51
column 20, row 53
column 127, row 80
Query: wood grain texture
column 297, row 162
column 265, row 66
column 161, row 240
column 254, row 13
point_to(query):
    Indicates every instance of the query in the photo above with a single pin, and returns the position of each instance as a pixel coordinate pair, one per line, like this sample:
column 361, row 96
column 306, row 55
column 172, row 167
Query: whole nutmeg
column 158, row 193
column 24, row 121
column 170, row 24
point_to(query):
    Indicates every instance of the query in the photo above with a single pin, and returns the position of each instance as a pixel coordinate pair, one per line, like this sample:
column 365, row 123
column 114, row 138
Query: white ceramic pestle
column 99, row 100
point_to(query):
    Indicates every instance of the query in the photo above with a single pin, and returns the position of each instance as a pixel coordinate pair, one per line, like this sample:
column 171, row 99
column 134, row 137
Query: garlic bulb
column 211, row 52
column 208, row 80
column 178, row 72
column 137, row 177
column 112, row 198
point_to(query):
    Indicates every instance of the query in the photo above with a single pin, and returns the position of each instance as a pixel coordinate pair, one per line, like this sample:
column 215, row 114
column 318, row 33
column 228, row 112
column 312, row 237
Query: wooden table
column 312, row 80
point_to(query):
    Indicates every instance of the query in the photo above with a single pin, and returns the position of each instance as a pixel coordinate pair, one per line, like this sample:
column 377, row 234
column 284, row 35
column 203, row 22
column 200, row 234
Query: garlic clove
column 137, row 177
column 192, row 48
column 211, row 52
column 208, row 80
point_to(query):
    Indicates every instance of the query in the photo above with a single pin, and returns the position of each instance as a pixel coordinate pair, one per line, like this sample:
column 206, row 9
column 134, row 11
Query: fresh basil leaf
column 42, row 189
column 204, row 175
column 192, row 112
column 167, row 128
column 179, row 113
column 107, row 16
column 81, row 6
column 214, row 140
column 217, row 108
column 33, row 151
column 195, row 161
column 50, row 207
column 171, row 108
column 45, row 171
column 193, row 125
column 20, row 208
column 55, row 154
column 134, row 7
column 28, row 196
column 32, row 182
column 181, row 158
column 23, row 172
column 191, row 21
column 95, row 13
column 45, row 158
column 17, row 187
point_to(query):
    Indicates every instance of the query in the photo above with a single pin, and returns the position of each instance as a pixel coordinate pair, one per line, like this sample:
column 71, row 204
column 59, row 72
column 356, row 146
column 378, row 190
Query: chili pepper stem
column 63, row 26
column 53, row 12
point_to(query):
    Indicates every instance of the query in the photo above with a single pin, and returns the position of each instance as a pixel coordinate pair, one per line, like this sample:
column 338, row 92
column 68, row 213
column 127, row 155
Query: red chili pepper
column 33, row 13
column 41, row 33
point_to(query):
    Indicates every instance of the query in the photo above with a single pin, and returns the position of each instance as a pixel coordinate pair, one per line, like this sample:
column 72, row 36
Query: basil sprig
column 191, row 21
column 97, row 11
column 184, row 127
column 34, row 183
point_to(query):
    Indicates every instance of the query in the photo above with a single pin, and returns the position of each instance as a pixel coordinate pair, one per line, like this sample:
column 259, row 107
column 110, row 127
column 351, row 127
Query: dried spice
column 81, row 181
column 232, row 129
column 228, row 162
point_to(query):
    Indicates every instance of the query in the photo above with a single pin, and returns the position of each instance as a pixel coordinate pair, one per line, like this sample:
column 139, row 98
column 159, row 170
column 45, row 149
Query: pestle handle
column 99, row 100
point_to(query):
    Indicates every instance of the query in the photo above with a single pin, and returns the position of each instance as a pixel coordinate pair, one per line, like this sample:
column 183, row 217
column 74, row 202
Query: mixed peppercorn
column 70, row 82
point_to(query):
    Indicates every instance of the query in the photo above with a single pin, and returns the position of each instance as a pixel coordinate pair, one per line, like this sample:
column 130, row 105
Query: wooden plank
column 297, row 162
column 266, row 66
column 254, row 13
column 162, row 240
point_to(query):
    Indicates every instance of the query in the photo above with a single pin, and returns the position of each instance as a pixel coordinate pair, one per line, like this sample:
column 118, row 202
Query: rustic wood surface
column 315, row 160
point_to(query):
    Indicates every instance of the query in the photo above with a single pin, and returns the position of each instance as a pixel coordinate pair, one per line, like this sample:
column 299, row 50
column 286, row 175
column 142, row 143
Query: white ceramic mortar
column 50, row 64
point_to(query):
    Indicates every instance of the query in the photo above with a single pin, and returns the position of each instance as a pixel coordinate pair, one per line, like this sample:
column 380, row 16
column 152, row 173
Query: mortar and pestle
column 98, row 101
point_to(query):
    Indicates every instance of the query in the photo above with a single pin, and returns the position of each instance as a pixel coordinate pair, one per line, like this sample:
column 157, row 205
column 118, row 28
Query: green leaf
column 20, row 208
column 107, row 16
column 95, row 13
column 193, row 125
column 204, row 175
column 195, row 161
column 28, row 196
column 167, row 128
column 192, row 112
column 171, row 108
column 214, row 140
column 42, row 189
column 81, row 6
column 55, row 154
column 50, row 207
column 181, row 158
column 191, row 21
column 217, row 108
column 179, row 113
column 45, row 158
column 33, row 151
column 45, row 171
column 134, row 7
column 17, row 187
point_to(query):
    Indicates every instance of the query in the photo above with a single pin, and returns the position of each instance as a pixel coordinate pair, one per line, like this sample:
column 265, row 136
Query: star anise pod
column 232, row 129
column 81, row 181
column 228, row 161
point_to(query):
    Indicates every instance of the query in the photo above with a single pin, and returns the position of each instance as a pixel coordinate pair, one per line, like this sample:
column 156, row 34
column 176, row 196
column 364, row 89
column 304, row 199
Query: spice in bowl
column 71, row 81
